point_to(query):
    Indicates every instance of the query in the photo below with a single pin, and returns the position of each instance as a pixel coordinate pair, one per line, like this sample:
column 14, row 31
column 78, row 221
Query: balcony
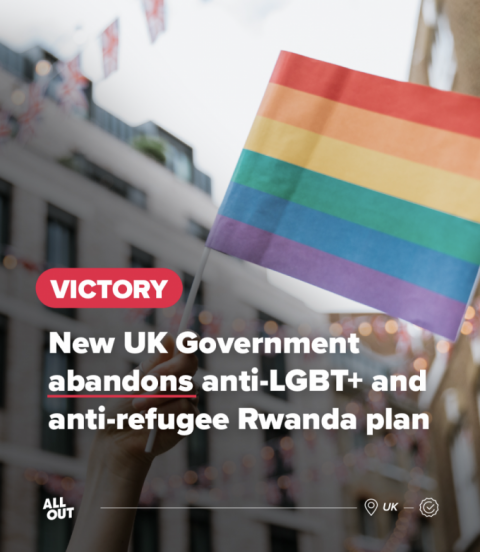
column 178, row 155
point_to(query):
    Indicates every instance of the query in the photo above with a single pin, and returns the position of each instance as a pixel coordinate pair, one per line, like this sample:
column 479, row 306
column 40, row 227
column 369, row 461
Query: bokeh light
column 470, row 313
column 304, row 330
column 336, row 329
column 365, row 329
column 390, row 440
column 391, row 327
column 353, row 408
column 68, row 483
column 284, row 482
column 443, row 346
column 229, row 467
column 43, row 68
column 18, row 96
column 374, row 396
column 211, row 473
column 270, row 327
column 286, row 443
column 10, row 262
column 267, row 453
column 420, row 363
column 205, row 317
column 248, row 461
column 190, row 477
column 239, row 324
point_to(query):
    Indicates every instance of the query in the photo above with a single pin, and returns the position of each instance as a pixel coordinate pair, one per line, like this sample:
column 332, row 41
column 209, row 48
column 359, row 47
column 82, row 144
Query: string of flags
column 110, row 48
column 71, row 91
column 155, row 14
column 65, row 81
column 27, row 120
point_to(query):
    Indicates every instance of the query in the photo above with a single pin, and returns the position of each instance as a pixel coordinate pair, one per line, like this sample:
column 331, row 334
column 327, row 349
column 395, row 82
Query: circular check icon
column 429, row 507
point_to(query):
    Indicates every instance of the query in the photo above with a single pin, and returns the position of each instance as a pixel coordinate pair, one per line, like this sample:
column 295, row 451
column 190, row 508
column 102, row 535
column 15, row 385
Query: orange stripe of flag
column 411, row 141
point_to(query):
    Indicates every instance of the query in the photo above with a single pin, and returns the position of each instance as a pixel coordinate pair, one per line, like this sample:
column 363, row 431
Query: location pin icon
column 371, row 506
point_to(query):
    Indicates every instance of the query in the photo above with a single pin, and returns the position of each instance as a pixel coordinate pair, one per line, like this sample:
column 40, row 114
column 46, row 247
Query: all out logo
column 57, row 509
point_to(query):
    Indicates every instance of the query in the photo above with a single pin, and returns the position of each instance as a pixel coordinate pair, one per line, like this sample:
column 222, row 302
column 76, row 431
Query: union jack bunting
column 5, row 127
column 27, row 120
column 71, row 90
column 109, row 40
column 155, row 14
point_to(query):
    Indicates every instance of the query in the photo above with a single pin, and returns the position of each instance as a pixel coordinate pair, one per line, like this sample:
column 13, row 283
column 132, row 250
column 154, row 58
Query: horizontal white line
column 409, row 508
column 228, row 508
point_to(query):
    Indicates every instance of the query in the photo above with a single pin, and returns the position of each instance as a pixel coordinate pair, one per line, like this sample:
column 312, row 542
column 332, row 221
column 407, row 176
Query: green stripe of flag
column 439, row 231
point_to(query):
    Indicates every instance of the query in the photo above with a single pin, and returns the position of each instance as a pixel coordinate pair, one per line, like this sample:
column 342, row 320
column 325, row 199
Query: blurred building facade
column 389, row 466
column 77, row 194
column 447, row 50
column 88, row 190
column 447, row 56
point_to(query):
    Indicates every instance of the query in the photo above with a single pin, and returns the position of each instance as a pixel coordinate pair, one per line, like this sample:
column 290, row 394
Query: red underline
column 121, row 396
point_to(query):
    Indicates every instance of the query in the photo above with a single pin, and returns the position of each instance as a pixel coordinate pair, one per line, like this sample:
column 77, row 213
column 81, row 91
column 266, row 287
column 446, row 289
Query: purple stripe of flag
column 398, row 298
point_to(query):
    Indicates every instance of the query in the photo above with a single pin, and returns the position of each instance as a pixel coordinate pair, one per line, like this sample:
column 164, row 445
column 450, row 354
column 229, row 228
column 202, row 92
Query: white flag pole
column 187, row 311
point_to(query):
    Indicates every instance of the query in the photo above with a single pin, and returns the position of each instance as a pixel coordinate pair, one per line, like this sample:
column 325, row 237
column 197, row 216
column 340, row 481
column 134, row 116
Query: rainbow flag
column 364, row 186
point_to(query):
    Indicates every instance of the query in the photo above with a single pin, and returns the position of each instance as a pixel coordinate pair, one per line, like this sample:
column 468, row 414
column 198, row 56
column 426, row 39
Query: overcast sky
column 204, row 78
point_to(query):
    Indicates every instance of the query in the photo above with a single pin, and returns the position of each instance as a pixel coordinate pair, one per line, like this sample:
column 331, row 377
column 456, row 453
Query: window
column 195, row 324
column 3, row 359
column 145, row 531
column 178, row 156
column 197, row 230
column 61, row 243
column 279, row 467
column 141, row 259
column 181, row 163
column 422, row 540
column 14, row 63
column 197, row 442
column 61, row 238
column 465, row 478
column 53, row 536
column 79, row 163
column 443, row 65
column 202, row 181
column 283, row 539
column 478, row 398
column 111, row 124
column 366, row 521
column 5, row 203
column 272, row 360
column 200, row 531
column 2, row 505
column 59, row 441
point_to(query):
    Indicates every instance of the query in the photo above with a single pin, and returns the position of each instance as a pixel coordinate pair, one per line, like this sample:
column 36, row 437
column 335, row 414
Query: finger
column 147, row 366
column 158, row 358
column 177, row 366
column 185, row 366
